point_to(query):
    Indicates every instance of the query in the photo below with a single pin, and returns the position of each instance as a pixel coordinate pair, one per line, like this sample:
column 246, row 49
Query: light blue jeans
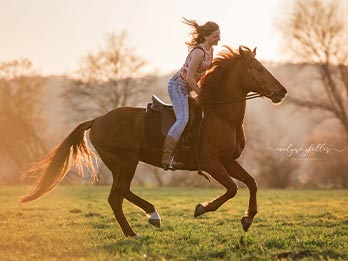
column 178, row 93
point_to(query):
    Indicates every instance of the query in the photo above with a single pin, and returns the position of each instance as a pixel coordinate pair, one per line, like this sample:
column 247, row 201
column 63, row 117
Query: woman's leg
column 179, row 97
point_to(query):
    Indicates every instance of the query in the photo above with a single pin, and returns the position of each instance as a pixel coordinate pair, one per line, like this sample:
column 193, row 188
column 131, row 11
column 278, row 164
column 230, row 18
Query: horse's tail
column 50, row 171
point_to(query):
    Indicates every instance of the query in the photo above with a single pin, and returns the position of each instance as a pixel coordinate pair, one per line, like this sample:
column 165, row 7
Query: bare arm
column 197, row 56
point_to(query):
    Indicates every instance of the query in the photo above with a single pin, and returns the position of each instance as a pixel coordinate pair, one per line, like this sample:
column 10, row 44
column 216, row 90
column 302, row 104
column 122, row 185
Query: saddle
column 158, row 120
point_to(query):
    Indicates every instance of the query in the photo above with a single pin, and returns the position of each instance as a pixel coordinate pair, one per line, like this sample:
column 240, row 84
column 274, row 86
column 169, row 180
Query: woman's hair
column 199, row 31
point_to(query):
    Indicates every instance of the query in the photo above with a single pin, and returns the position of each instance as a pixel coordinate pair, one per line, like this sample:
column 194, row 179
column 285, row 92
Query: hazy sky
column 55, row 34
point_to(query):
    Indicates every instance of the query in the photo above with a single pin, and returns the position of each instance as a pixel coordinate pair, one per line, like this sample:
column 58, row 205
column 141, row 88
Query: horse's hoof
column 155, row 222
column 199, row 210
column 246, row 222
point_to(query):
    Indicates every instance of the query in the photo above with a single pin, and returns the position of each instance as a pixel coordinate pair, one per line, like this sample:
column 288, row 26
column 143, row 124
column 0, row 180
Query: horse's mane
column 216, row 76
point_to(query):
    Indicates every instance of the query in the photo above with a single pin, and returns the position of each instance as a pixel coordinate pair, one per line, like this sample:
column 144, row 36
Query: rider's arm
column 197, row 56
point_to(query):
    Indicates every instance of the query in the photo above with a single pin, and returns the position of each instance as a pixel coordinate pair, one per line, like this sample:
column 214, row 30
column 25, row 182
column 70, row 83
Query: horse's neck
column 233, row 90
column 234, row 98
column 237, row 112
column 232, row 113
column 236, row 86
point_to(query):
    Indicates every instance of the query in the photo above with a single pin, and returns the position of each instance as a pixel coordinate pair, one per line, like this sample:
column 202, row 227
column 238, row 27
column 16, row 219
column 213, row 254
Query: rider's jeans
column 178, row 93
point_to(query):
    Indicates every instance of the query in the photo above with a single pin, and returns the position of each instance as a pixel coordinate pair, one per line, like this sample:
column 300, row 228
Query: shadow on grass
column 140, row 247
column 312, row 254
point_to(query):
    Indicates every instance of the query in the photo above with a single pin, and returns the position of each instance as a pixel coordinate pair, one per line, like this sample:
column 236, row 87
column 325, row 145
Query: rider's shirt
column 203, row 66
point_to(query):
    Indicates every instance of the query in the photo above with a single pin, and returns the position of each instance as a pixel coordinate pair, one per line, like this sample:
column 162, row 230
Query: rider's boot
column 169, row 148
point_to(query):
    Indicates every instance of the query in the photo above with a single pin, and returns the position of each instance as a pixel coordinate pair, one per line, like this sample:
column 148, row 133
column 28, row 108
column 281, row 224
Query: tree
column 20, row 117
column 112, row 77
column 316, row 32
column 275, row 171
column 331, row 170
column 272, row 168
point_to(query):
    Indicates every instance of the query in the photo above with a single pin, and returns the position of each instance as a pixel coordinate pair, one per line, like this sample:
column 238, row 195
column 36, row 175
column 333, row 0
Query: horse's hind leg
column 115, row 197
column 123, row 169
column 236, row 171
column 115, row 201
column 218, row 172
column 126, row 173
column 150, row 211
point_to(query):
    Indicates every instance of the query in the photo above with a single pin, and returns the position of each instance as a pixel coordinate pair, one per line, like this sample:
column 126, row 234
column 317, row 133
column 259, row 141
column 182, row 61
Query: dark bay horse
column 118, row 137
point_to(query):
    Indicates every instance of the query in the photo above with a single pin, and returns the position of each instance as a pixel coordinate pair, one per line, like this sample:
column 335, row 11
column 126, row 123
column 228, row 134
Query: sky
column 55, row 34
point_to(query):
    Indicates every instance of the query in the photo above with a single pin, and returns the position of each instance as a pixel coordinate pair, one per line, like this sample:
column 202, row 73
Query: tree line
column 314, row 33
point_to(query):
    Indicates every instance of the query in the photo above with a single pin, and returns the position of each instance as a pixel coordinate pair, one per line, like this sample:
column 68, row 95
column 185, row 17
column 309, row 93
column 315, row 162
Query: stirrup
column 173, row 163
column 171, row 167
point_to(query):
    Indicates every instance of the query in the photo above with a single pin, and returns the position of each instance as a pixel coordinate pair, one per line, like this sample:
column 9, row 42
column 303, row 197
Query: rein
column 248, row 97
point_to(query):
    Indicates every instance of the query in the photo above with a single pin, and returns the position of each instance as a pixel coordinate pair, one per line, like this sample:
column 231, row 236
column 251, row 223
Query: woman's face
column 213, row 38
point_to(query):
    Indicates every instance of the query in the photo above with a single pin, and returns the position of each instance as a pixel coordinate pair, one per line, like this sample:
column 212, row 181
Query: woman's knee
column 181, row 123
column 183, row 120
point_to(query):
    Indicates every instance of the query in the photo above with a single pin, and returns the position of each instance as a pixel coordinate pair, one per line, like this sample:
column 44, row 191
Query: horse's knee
column 232, row 191
column 236, row 154
column 111, row 200
column 115, row 201
column 239, row 151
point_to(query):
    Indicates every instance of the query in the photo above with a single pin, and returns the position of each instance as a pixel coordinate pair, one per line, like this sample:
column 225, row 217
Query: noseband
column 266, row 93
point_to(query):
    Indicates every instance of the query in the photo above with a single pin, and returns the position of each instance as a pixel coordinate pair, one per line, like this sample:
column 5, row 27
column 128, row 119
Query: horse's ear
column 254, row 52
column 241, row 52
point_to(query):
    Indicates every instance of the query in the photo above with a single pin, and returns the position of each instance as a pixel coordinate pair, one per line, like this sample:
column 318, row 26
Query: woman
column 200, row 57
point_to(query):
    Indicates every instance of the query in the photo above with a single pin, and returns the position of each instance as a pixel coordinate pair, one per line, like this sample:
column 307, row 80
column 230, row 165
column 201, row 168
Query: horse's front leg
column 216, row 169
column 236, row 171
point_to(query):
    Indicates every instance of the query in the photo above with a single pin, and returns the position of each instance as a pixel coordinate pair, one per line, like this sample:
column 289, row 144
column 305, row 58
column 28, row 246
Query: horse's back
column 121, row 128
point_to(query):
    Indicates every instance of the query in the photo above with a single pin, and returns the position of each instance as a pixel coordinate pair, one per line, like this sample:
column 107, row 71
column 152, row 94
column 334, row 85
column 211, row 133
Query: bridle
column 265, row 92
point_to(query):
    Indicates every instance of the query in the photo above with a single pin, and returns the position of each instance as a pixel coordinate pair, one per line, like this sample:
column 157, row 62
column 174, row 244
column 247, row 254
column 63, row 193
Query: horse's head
column 258, row 79
column 234, row 74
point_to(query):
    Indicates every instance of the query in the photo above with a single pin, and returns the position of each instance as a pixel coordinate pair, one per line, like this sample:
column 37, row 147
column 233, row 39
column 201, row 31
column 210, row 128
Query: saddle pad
column 155, row 131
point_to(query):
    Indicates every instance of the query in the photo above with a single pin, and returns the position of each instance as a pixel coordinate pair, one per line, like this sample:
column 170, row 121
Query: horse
column 118, row 138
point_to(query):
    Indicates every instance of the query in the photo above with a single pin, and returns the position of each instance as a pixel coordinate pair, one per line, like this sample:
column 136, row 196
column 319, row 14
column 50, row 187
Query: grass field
column 76, row 223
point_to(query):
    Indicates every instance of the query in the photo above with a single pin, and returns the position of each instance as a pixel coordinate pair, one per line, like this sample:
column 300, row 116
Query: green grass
column 76, row 223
